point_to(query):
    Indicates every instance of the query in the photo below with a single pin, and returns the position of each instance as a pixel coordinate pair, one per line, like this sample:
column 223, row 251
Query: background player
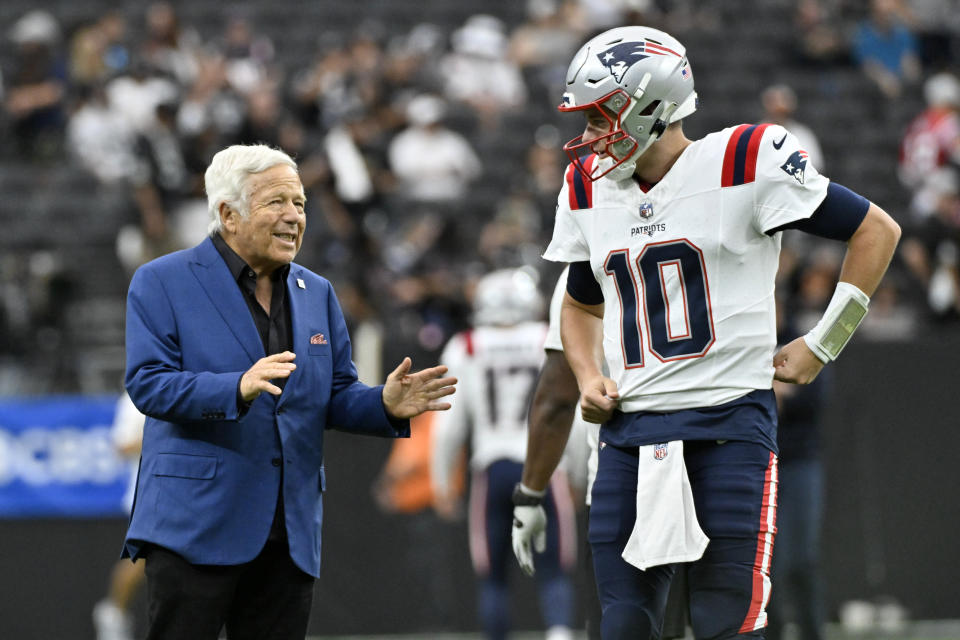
column 553, row 420
column 498, row 362
column 112, row 616
column 673, row 257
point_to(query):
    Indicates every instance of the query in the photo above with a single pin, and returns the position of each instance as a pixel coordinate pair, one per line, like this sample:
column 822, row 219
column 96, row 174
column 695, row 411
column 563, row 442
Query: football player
column 498, row 363
column 553, row 420
column 673, row 247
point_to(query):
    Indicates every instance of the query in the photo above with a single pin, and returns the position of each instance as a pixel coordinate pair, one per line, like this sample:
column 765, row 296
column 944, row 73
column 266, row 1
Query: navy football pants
column 734, row 487
column 491, row 524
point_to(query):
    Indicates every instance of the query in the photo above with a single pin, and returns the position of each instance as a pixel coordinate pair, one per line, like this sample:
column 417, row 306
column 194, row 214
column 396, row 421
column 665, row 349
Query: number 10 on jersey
column 676, row 311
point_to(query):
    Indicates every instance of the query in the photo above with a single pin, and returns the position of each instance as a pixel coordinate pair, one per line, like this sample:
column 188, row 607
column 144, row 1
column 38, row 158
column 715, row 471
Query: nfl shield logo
column 660, row 451
column 646, row 210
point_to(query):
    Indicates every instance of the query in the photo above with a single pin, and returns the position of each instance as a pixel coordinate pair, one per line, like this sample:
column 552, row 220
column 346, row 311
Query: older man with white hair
column 229, row 495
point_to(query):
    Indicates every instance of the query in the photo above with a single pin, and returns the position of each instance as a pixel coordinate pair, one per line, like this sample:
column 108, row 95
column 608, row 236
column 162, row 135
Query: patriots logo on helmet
column 620, row 57
column 796, row 165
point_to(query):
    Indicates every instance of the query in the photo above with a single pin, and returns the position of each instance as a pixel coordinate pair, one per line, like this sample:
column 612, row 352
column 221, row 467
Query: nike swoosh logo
column 777, row 145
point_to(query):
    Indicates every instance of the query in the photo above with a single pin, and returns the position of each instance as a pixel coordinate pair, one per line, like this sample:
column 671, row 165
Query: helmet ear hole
column 650, row 108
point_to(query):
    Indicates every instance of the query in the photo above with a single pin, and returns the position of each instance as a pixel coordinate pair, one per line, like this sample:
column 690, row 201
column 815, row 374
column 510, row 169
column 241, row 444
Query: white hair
column 225, row 180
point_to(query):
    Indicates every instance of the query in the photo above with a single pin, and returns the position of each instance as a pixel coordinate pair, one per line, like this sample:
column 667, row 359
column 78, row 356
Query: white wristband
column 847, row 308
column 531, row 492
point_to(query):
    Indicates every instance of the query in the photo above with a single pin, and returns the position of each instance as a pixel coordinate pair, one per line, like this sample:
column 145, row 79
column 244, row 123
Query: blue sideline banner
column 57, row 458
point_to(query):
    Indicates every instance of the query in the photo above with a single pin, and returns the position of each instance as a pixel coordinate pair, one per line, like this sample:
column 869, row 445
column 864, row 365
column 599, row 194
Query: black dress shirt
column 275, row 331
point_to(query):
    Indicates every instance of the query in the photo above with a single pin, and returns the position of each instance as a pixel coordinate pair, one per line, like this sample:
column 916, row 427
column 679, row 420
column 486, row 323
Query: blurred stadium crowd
column 429, row 146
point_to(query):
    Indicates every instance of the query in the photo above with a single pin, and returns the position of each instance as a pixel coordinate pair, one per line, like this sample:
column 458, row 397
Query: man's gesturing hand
column 258, row 377
column 406, row 394
column 598, row 400
column 529, row 529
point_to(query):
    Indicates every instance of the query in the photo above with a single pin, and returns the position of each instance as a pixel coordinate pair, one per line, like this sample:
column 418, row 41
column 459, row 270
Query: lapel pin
column 300, row 283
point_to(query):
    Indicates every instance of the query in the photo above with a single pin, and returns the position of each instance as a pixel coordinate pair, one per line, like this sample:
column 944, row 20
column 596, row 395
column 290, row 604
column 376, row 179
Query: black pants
column 268, row 598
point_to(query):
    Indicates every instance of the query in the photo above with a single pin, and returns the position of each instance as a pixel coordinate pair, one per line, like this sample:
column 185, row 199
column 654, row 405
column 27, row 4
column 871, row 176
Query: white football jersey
column 686, row 268
column 497, row 370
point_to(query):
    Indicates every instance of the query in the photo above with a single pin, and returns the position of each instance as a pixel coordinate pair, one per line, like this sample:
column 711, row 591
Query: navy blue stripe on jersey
column 582, row 285
column 751, row 417
column 740, row 159
column 580, row 191
column 740, row 156
column 837, row 217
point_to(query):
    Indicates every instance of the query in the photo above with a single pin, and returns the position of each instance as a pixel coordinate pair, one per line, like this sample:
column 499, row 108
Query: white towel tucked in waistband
column 666, row 529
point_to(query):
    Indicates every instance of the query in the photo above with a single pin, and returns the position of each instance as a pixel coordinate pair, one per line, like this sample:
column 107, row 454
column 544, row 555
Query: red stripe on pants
column 757, row 614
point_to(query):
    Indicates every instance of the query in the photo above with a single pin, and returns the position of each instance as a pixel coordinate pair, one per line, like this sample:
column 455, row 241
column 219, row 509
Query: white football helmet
column 640, row 80
column 507, row 297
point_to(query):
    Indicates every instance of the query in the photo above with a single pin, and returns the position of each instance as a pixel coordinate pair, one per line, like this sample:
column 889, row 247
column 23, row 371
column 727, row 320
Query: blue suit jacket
column 209, row 479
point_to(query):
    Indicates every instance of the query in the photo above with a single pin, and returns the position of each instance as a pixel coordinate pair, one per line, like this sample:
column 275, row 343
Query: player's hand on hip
column 257, row 378
column 598, row 400
column 796, row 363
column 529, row 534
column 406, row 394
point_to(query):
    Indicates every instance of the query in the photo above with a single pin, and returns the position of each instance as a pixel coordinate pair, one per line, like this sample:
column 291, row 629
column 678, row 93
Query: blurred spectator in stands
column 931, row 250
column 100, row 139
column 597, row 15
column 779, row 104
column 136, row 94
column 167, row 46
column 99, row 50
column 885, row 49
column 818, row 28
column 163, row 182
column 36, row 86
column 211, row 110
column 411, row 60
column 352, row 172
column 433, row 164
column 339, row 180
column 14, row 312
column 513, row 235
column 323, row 92
column 937, row 27
column 248, row 55
column 932, row 141
column 545, row 163
column 547, row 39
column 263, row 116
column 51, row 288
column 889, row 318
column 478, row 71
column 162, row 151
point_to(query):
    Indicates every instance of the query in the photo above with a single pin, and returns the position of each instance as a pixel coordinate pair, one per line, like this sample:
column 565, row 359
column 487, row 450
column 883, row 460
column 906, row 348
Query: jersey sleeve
column 568, row 243
column 553, row 331
column 788, row 185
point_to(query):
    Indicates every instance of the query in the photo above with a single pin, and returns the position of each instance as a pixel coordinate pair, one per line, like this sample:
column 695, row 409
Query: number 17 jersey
column 687, row 268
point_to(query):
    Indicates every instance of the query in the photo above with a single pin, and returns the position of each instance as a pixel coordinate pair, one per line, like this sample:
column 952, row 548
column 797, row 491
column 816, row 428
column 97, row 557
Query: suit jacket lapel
column 215, row 278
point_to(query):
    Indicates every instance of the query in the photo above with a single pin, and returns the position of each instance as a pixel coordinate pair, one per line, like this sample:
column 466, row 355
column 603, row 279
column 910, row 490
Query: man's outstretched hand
column 406, row 394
